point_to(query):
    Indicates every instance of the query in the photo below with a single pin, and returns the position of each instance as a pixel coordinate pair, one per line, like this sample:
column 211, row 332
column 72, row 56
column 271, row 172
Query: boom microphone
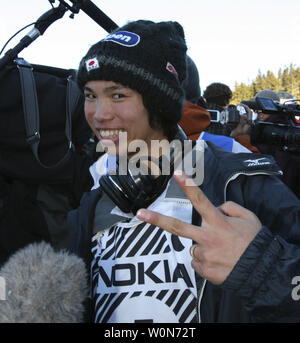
column 88, row 7
column 43, row 286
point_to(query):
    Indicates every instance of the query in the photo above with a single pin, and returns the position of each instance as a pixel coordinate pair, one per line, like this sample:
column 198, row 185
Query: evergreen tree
column 272, row 81
column 260, row 81
column 287, row 80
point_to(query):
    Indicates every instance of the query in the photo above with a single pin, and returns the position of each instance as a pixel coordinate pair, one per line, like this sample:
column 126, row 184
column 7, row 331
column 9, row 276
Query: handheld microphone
column 43, row 286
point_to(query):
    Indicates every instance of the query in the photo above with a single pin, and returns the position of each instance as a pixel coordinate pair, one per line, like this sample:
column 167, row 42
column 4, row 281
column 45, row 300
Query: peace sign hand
column 221, row 239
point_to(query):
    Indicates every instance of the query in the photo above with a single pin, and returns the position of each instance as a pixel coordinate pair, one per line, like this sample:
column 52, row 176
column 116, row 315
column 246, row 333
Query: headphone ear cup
column 110, row 185
column 131, row 192
column 128, row 186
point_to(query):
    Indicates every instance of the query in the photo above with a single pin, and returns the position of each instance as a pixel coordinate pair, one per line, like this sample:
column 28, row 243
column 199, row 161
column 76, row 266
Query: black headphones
column 131, row 192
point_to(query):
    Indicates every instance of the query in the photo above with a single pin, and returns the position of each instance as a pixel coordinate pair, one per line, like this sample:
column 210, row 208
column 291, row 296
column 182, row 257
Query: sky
column 229, row 40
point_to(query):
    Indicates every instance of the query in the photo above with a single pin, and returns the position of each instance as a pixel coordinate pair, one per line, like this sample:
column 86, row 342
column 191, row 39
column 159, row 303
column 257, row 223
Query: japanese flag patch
column 172, row 70
column 92, row 63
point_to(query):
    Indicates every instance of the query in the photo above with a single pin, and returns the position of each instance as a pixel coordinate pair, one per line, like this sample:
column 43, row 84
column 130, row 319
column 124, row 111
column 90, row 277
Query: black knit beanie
column 147, row 57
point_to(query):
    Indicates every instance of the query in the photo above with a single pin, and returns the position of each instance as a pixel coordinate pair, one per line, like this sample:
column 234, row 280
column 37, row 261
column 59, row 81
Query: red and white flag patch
column 172, row 70
column 92, row 63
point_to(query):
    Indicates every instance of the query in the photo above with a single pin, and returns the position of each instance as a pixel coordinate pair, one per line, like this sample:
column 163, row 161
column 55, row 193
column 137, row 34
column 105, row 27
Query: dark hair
column 218, row 94
column 158, row 121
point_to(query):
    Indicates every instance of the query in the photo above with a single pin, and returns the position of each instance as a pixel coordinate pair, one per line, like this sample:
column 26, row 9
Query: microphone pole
column 40, row 27
column 54, row 14
column 96, row 14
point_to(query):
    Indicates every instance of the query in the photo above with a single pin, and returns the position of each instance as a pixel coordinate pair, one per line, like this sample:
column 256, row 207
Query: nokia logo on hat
column 124, row 38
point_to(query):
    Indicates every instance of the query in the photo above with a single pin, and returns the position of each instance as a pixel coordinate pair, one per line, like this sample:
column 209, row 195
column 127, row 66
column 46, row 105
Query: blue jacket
column 259, row 288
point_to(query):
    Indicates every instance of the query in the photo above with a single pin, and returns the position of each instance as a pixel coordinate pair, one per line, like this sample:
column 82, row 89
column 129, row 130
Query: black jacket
column 262, row 278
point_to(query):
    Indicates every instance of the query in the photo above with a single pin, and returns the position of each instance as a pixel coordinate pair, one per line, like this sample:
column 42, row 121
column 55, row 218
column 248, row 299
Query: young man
column 139, row 272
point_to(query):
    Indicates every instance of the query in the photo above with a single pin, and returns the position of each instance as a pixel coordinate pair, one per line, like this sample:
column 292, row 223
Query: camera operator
column 289, row 162
column 217, row 96
column 236, row 119
column 241, row 133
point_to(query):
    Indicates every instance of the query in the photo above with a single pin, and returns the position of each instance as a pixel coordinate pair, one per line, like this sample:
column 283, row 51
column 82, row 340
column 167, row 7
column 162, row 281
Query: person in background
column 288, row 99
column 196, row 119
column 288, row 162
column 217, row 96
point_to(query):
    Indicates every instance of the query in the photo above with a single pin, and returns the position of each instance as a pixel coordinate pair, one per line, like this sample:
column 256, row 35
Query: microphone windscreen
column 43, row 286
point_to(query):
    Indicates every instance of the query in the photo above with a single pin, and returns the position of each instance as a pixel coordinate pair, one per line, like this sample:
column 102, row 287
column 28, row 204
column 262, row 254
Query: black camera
column 229, row 116
column 223, row 122
column 285, row 134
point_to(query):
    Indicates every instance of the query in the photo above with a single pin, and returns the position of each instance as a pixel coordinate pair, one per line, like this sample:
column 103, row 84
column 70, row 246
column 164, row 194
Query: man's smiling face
column 111, row 108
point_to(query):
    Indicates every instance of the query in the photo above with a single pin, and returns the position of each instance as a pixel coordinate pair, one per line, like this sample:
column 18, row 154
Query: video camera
column 230, row 116
column 285, row 134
